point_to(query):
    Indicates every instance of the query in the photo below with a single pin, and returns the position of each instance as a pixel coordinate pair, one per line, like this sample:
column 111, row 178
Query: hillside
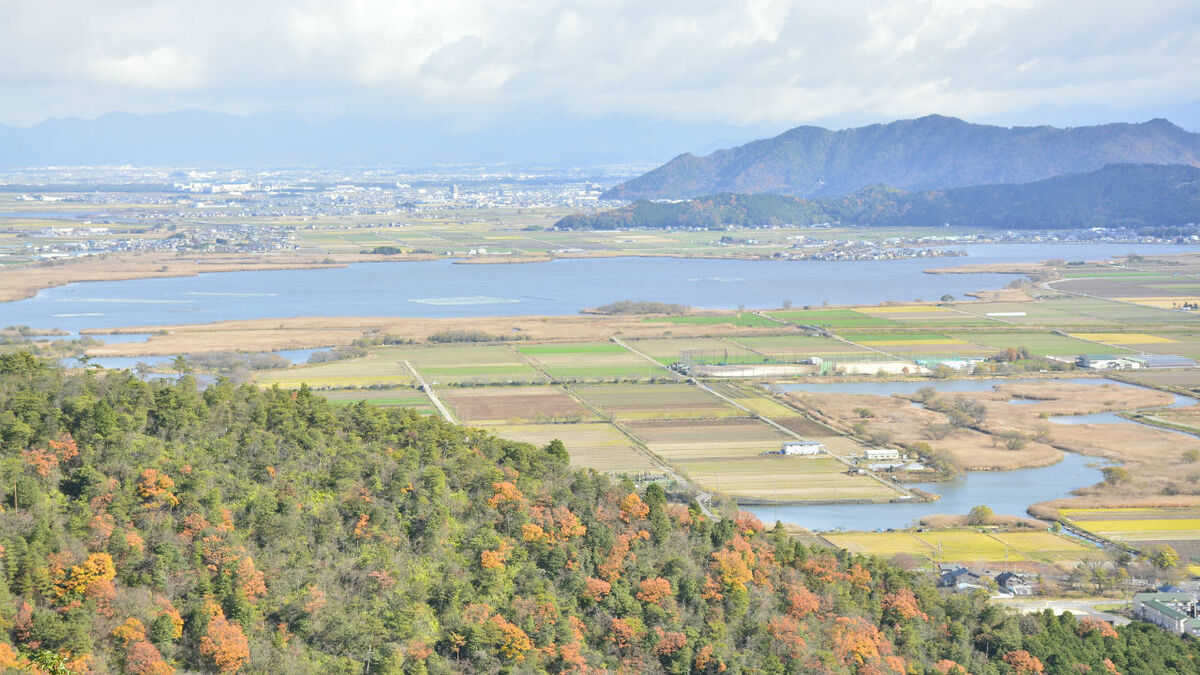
column 149, row 527
column 1127, row 195
column 929, row 153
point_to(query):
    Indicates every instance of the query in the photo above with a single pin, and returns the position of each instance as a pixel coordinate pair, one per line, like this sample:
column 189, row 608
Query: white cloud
column 729, row 61
column 159, row 68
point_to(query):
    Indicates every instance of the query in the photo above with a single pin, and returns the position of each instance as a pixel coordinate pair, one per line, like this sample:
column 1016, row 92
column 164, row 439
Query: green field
column 835, row 318
column 380, row 367
column 591, row 361
column 747, row 319
column 797, row 345
column 667, row 350
column 406, row 398
column 572, row 349
column 1040, row 343
column 934, row 338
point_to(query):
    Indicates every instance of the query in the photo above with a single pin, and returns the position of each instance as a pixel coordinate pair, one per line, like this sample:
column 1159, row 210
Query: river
column 1006, row 492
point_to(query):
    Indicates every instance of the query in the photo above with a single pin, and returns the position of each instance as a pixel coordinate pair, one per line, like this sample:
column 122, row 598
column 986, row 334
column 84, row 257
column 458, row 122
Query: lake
column 443, row 289
column 1006, row 492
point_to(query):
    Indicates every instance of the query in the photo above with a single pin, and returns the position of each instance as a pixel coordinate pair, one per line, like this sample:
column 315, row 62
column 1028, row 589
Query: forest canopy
column 150, row 527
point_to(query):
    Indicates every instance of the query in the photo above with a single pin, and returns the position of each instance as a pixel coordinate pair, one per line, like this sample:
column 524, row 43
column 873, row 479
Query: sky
column 749, row 64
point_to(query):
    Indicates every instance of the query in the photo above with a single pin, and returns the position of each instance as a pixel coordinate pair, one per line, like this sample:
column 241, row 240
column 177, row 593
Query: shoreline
column 27, row 280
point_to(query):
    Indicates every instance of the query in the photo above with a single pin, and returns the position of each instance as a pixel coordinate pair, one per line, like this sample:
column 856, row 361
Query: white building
column 881, row 454
column 802, row 448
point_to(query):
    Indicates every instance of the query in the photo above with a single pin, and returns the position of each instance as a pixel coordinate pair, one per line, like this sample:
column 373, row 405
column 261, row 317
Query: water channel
column 1006, row 492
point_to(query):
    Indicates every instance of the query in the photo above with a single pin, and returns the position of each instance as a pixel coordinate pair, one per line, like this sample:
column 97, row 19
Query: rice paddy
column 966, row 546
column 1123, row 338
column 1138, row 525
column 833, row 318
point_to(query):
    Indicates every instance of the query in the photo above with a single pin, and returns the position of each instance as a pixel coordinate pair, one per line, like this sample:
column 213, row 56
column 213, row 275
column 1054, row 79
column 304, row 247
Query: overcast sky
column 753, row 63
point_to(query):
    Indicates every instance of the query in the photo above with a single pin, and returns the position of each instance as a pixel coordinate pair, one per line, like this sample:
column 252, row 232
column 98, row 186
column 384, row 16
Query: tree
column 1014, row 440
column 1191, row 456
column 224, row 643
column 1164, row 557
column 980, row 515
column 1115, row 475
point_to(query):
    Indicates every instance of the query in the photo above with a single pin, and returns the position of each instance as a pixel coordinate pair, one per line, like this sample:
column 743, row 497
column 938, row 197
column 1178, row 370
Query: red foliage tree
column 143, row 658
column 1023, row 662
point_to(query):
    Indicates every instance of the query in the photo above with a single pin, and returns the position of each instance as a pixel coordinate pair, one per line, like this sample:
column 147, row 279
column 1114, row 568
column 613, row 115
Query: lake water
column 1006, row 492
column 443, row 289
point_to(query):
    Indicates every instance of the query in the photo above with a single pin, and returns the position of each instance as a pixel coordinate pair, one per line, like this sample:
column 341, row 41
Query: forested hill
column 150, row 528
column 930, row 153
column 1132, row 195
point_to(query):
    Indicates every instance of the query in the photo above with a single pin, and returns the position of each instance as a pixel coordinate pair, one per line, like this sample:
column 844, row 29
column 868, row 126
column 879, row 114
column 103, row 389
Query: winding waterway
column 1006, row 492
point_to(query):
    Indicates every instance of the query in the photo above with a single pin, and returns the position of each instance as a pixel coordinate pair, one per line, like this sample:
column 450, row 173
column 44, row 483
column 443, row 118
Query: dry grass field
column 492, row 405
column 780, row 478
column 594, row 445
column 656, row 401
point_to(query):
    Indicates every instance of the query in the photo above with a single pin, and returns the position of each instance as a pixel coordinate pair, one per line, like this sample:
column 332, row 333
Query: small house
column 882, row 454
column 957, row 577
column 1102, row 362
column 1015, row 584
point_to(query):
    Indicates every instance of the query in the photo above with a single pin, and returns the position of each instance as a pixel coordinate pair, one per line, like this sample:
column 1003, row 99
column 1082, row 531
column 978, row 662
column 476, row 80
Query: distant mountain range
column 203, row 138
column 1131, row 195
column 930, row 153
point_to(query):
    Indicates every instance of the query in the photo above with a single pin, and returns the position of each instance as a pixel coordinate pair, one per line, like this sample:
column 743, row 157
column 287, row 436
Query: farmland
column 1143, row 526
column 565, row 378
column 967, row 546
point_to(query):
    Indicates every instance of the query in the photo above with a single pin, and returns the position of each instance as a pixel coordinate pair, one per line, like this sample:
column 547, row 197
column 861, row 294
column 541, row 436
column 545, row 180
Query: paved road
column 437, row 402
column 1076, row 607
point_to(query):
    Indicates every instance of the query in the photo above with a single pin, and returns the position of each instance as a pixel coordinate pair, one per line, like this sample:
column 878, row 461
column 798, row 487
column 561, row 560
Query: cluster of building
column 842, row 251
column 1174, row 611
column 66, row 242
column 1111, row 362
column 960, row 580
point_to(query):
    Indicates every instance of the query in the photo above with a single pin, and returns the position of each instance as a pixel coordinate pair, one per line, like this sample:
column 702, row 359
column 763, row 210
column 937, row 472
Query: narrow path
column 697, row 383
column 701, row 496
column 616, row 340
column 437, row 402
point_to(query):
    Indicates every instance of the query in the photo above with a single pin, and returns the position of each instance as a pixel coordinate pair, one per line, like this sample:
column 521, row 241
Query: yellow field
column 1164, row 302
column 1045, row 545
column 1145, row 529
column 965, row 545
column 1123, row 338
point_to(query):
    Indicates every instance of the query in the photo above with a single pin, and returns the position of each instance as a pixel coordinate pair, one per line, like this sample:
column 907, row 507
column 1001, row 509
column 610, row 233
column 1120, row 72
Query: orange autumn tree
column 1024, row 663
column 633, row 508
column 155, row 489
column 143, row 658
column 654, row 590
column 224, row 644
column 97, row 568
